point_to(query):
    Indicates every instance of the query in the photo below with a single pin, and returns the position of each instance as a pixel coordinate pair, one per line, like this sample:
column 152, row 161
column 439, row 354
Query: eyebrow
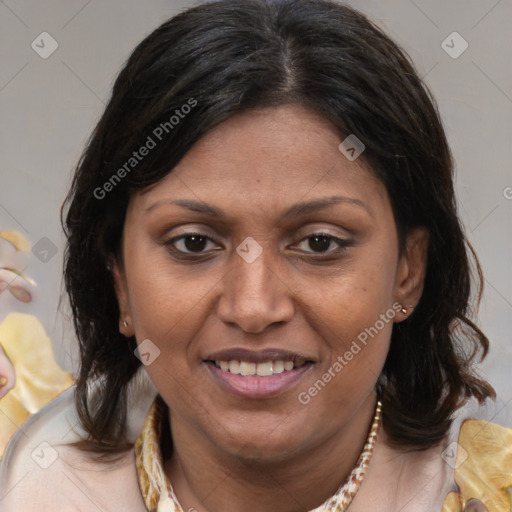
column 308, row 207
column 296, row 210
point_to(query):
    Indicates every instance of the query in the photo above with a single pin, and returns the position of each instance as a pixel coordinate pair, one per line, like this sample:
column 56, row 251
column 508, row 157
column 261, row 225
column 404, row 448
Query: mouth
column 264, row 369
column 256, row 375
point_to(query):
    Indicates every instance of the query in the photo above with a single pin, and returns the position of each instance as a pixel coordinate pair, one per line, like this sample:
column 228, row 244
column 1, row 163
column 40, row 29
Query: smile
column 263, row 369
column 257, row 375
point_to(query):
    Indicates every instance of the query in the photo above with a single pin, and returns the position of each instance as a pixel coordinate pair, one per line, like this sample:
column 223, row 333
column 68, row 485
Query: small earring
column 403, row 310
column 125, row 323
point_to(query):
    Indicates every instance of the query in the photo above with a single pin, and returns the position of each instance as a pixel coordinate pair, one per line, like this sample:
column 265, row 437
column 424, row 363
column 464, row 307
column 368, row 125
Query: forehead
column 268, row 157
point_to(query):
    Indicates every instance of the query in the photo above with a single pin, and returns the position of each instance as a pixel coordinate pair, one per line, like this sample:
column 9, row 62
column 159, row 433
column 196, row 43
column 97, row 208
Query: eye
column 192, row 243
column 322, row 243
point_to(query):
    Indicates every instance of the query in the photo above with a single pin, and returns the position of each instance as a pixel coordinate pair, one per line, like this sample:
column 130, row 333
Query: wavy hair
column 233, row 56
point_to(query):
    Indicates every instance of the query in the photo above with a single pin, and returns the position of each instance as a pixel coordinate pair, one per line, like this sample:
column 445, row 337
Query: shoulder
column 42, row 470
column 482, row 467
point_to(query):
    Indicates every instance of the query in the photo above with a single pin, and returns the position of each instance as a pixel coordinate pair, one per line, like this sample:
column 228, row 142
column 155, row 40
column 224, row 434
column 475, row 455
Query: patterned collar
column 159, row 495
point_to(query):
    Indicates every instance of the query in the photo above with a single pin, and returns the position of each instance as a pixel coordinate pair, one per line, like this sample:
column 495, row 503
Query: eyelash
column 342, row 245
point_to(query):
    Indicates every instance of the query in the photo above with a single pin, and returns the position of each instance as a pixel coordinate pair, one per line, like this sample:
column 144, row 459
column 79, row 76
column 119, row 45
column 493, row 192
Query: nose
column 254, row 296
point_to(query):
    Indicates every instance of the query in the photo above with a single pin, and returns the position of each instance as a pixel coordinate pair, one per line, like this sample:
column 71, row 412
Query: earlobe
column 411, row 272
column 121, row 289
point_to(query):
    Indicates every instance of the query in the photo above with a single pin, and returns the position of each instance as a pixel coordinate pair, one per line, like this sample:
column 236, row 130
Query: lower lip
column 255, row 386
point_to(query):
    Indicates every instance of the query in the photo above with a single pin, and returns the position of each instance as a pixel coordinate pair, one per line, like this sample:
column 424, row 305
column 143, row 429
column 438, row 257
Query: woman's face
column 264, row 270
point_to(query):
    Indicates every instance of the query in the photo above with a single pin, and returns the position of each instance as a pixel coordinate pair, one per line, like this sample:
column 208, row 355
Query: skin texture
column 275, row 453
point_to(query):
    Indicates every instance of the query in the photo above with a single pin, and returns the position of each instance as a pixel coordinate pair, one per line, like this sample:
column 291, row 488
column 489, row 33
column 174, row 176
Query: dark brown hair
column 228, row 56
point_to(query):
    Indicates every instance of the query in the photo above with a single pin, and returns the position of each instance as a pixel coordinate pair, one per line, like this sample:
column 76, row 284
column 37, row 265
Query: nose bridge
column 253, row 294
column 252, row 262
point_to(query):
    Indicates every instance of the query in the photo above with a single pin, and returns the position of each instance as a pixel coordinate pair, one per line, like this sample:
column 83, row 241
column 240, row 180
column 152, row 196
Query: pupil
column 195, row 243
column 319, row 243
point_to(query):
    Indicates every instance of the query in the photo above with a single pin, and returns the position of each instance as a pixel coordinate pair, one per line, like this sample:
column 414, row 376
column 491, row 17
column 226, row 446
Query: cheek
column 354, row 316
column 169, row 317
column 359, row 339
column 163, row 297
column 352, row 298
column 359, row 345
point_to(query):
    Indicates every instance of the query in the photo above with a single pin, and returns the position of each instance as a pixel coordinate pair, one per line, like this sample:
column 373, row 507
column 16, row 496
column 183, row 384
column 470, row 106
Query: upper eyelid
column 184, row 235
column 308, row 228
column 209, row 237
column 336, row 239
column 177, row 238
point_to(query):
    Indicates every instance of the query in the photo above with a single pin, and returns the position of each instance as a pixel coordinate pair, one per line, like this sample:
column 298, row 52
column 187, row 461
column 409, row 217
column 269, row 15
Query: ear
column 121, row 289
column 410, row 276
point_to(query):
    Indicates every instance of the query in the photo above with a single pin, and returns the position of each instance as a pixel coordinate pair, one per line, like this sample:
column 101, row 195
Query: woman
column 264, row 218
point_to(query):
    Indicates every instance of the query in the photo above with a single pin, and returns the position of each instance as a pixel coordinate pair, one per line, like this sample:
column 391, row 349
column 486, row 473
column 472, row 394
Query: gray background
column 48, row 108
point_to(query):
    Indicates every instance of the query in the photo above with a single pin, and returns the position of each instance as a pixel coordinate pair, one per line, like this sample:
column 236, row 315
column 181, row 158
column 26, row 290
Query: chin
column 262, row 448
column 263, row 454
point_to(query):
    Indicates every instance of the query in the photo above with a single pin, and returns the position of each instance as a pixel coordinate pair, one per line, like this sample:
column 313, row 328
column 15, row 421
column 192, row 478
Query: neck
column 207, row 479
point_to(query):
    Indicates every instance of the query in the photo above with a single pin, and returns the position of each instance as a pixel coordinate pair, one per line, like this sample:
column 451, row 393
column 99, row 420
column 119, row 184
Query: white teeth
column 245, row 368
column 278, row 367
column 265, row 369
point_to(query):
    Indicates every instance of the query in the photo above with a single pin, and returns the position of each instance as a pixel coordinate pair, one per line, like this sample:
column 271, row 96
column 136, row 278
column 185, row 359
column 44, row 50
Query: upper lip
column 260, row 356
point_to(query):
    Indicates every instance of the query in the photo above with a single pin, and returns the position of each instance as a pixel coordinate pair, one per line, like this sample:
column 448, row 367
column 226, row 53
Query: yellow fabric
column 149, row 459
column 156, row 490
column 483, row 467
column 453, row 503
column 39, row 378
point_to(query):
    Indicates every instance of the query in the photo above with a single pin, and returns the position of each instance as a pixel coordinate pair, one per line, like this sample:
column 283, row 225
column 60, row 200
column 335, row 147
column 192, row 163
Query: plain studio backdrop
column 59, row 60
